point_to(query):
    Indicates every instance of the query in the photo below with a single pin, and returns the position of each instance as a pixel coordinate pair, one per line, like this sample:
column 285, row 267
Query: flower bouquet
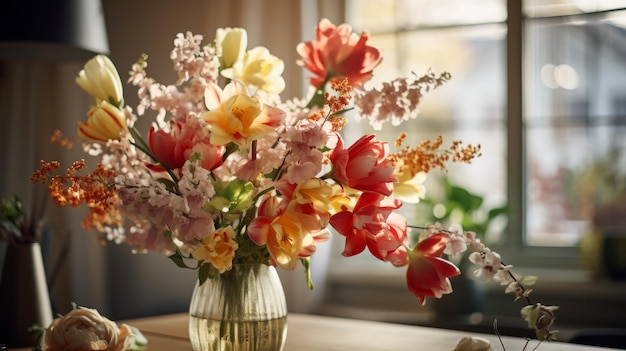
column 229, row 173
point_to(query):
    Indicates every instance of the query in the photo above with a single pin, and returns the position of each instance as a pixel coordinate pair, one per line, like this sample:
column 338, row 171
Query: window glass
column 470, row 107
column 413, row 13
column 396, row 15
column 372, row 15
column 575, row 98
column 546, row 8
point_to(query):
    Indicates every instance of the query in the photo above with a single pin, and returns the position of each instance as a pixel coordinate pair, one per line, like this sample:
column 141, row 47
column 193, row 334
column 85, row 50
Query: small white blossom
column 490, row 265
column 457, row 243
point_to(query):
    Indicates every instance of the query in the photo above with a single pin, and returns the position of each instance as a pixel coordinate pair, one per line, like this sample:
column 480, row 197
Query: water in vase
column 213, row 335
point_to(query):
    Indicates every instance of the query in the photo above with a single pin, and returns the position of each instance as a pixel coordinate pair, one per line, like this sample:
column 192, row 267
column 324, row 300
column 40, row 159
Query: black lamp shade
column 52, row 30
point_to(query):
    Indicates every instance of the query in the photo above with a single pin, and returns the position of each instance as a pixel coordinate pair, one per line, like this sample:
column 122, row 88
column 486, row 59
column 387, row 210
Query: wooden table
column 319, row 333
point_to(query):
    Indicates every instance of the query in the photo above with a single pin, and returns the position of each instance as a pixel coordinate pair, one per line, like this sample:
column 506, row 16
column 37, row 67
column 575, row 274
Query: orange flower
column 338, row 53
column 235, row 116
column 218, row 248
column 280, row 229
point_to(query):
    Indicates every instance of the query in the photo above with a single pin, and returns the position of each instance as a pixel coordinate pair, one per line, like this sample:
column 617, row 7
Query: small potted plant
column 24, row 296
column 601, row 192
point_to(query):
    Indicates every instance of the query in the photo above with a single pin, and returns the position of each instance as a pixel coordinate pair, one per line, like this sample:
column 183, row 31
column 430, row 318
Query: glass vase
column 243, row 309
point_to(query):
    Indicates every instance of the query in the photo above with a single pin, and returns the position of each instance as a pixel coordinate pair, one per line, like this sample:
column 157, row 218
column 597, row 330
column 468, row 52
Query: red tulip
column 172, row 149
column 428, row 274
column 371, row 224
column 364, row 165
column 338, row 53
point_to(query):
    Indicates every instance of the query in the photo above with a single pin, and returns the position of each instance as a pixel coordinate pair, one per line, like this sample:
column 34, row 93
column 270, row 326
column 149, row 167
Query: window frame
column 513, row 248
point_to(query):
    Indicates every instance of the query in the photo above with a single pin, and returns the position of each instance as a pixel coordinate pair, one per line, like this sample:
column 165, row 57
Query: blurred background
column 538, row 83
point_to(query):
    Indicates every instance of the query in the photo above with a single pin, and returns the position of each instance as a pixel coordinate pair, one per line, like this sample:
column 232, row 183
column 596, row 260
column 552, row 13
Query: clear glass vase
column 243, row 309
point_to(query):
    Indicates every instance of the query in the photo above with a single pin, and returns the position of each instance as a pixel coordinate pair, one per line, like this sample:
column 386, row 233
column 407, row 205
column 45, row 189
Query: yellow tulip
column 232, row 42
column 99, row 78
column 260, row 69
column 106, row 122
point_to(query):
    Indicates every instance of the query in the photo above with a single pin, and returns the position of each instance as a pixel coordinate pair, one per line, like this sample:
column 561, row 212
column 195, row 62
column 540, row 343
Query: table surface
column 321, row 333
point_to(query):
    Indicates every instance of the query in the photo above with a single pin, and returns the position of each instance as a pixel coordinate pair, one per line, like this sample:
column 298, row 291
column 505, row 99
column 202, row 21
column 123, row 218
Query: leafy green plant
column 457, row 204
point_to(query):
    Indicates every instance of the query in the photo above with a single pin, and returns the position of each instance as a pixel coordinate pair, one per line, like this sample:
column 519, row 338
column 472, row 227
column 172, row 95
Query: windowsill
column 562, row 282
column 379, row 292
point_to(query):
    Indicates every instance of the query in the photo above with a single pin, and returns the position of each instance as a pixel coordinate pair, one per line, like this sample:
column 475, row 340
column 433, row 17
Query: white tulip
column 100, row 79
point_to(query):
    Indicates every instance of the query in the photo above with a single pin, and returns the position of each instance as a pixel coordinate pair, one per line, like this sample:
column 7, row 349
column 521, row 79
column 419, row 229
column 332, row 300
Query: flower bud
column 106, row 122
column 100, row 79
column 233, row 42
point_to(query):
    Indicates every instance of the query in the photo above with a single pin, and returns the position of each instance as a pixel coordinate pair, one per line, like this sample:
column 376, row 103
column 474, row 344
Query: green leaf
column 177, row 258
column 468, row 201
column 12, row 209
column 169, row 185
column 495, row 212
column 37, row 331
column 230, row 148
column 139, row 341
column 318, row 99
column 342, row 112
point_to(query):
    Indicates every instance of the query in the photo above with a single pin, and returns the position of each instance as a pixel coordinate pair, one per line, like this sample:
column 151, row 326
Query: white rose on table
column 473, row 343
column 84, row 329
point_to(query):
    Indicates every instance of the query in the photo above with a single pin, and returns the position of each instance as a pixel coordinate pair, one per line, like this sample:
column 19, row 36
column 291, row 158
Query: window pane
column 450, row 12
column 575, row 114
column 375, row 16
column 544, row 8
column 470, row 107
column 397, row 15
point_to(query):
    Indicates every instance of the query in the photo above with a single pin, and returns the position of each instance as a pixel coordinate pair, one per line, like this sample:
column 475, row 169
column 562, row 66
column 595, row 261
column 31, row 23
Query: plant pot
column 24, row 295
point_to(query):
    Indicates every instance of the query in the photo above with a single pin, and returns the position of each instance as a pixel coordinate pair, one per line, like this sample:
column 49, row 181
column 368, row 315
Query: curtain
column 36, row 98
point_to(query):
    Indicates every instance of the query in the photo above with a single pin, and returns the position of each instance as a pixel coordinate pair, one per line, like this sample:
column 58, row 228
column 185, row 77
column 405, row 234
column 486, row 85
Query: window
column 539, row 84
column 574, row 67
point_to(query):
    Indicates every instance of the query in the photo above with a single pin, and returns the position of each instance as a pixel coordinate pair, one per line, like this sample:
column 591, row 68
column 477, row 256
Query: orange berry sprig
column 428, row 155
column 96, row 190
column 57, row 137
column 336, row 105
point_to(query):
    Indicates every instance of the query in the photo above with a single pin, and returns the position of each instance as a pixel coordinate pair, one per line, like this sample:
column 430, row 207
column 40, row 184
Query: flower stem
column 319, row 97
